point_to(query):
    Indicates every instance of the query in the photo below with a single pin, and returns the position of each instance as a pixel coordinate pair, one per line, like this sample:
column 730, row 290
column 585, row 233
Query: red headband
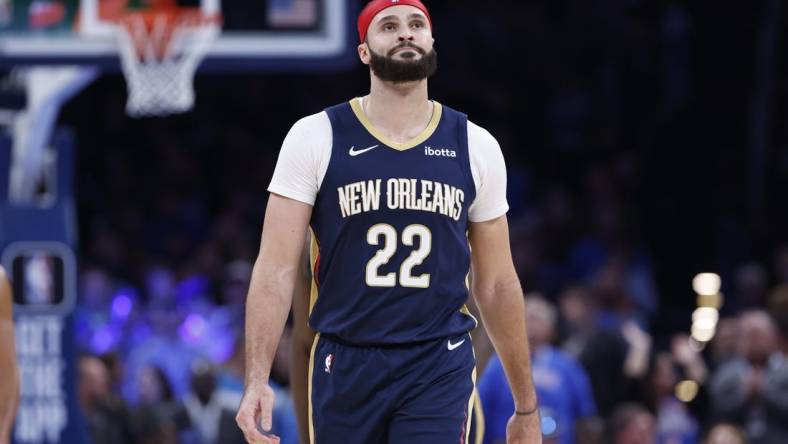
column 375, row 6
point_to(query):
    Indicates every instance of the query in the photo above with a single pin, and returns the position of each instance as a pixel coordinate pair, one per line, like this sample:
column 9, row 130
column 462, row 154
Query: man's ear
column 363, row 53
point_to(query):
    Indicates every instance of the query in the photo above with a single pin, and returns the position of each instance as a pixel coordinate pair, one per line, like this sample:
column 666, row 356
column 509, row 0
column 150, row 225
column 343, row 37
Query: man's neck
column 400, row 111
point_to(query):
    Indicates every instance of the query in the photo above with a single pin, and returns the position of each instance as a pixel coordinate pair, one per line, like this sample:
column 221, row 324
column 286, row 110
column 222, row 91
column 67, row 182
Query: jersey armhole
column 463, row 129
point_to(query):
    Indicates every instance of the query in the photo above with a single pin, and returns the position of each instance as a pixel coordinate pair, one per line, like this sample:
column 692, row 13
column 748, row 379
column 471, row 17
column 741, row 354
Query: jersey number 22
column 382, row 256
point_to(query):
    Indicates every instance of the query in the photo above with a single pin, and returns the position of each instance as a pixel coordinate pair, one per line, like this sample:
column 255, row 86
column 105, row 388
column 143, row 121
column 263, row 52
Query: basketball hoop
column 160, row 50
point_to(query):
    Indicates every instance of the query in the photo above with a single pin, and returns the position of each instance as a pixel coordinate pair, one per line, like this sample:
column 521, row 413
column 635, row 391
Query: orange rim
column 159, row 25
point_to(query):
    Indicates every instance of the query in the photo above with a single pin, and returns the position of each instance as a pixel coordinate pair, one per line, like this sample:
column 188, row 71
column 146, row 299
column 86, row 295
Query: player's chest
column 372, row 178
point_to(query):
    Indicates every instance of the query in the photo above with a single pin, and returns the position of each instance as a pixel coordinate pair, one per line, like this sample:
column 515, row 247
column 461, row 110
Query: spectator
column 725, row 434
column 674, row 423
column 154, row 387
column 616, row 359
column 632, row 424
column 106, row 414
column 578, row 319
column 163, row 348
column 724, row 343
column 614, row 302
column 156, row 417
column 752, row 390
column 611, row 257
column 211, row 417
column 114, row 364
column 94, row 329
column 566, row 404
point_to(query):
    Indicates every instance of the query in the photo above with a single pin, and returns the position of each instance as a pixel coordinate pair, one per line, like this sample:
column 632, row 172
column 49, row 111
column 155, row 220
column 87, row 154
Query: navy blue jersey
column 390, row 252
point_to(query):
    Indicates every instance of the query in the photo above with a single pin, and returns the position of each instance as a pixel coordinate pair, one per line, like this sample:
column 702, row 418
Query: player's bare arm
column 9, row 385
column 267, row 305
column 496, row 289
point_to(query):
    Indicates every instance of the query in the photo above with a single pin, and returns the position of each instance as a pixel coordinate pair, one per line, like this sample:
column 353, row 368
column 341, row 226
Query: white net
column 159, row 55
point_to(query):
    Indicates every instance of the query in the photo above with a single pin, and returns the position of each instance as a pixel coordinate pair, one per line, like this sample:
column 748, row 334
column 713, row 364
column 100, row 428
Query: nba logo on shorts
column 329, row 359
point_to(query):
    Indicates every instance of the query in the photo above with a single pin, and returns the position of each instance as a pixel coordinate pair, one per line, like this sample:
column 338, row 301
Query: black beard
column 401, row 71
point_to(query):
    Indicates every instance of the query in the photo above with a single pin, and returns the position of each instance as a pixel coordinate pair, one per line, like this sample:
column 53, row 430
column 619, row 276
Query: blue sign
column 37, row 249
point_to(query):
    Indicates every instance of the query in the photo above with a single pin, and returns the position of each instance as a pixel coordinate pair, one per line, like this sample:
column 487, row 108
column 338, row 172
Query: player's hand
column 254, row 415
column 524, row 429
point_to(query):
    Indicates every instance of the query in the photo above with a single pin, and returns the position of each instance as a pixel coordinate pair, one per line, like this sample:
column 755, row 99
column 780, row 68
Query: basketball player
column 401, row 195
column 9, row 383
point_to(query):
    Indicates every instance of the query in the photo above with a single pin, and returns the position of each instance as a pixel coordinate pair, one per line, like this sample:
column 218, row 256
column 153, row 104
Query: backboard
column 292, row 35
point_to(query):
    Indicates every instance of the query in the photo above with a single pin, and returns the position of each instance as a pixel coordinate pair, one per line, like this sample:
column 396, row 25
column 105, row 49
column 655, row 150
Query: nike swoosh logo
column 453, row 346
column 354, row 152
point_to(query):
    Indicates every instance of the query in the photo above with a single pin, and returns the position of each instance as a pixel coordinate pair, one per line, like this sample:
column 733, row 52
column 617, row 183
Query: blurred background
column 644, row 144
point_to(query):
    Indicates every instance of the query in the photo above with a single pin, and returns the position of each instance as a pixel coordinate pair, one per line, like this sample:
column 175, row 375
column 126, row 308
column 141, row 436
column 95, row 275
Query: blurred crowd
column 598, row 382
column 626, row 177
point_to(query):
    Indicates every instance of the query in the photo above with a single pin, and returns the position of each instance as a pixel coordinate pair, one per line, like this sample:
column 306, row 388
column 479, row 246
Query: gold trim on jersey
column 314, row 251
column 437, row 111
column 464, row 310
column 471, row 402
column 479, row 417
column 309, row 388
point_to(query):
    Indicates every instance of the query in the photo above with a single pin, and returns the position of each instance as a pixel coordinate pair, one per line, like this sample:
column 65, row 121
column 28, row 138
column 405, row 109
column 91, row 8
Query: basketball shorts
column 412, row 394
